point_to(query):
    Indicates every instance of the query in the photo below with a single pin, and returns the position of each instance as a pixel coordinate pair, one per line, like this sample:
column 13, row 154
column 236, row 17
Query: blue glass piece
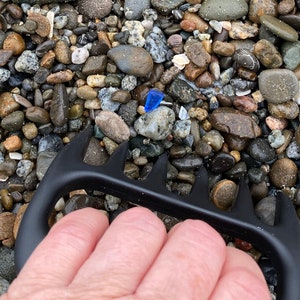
column 153, row 100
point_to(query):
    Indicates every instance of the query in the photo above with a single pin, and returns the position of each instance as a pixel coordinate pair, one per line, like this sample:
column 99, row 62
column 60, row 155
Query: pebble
column 24, row 167
column 62, row 52
column 132, row 60
column 268, row 55
column 287, row 110
column 44, row 160
column 180, row 90
column 4, row 284
column 37, row 115
column 194, row 20
column 291, row 54
column 13, row 121
column 59, row 105
column 223, row 11
column 60, row 77
column 198, row 55
column 221, row 162
column 234, row 122
column 246, row 59
column 188, row 163
column 261, row 150
column 105, row 95
column 79, row 56
column 279, row 28
column 293, row 151
column 283, row 173
column 5, row 55
column 7, row 266
column 223, row 48
column 241, row 30
column 30, row 130
column 86, row 92
column 12, row 143
column 14, row 42
column 95, row 8
column 258, row 8
column 156, row 45
column 112, row 126
column 157, row 124
column 214, row 139
column 97, row 81
column 133, row 9
column 265, row 210
column 4, row 75
column 6, row 227
column 94, row 65
column 43, row 27
column 135, row 31
column 181, row 129
column 27, row 62
column 278, row 85
column 223, row 194
column 165, row 7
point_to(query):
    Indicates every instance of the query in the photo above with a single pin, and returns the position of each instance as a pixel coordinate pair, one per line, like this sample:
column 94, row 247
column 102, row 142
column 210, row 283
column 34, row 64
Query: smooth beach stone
column 95, row 8
column 279, row 28
column 59, row 109
column 166, row 6
column 132, row 60
column 133, row 9
column 258, row 8
column 292, row 20
column 223, row 10
column 278, row 85
column 234, row 122
column 283, row 173
column 261, row 150
column 291, row 54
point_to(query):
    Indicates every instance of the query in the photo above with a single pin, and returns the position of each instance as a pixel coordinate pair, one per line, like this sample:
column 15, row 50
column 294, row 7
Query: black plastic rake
column 281, row 242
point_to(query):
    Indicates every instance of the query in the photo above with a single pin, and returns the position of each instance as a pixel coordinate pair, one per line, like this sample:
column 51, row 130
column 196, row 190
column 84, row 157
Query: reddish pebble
column 243, row 245
column 276, row 123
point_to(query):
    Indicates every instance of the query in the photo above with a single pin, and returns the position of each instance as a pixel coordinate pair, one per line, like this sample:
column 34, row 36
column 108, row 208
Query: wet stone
column 188, row 163
column 128, row 112
column 133, row 9
column 283, row 173
column 291, row 54
column 267, row 54
column 132, row 60
column 151, row 149
column 156, row 45
column 279, row 28
column 44, row 160
column 224, row 10
column 180, row 90
column 156, row 124
column 293, row 151
column 234, row 122
column 288, row 110
column 165, row 7
column 13, row 121
column 95, row 8
column 261, row 150
column 95, row 154
column 59, row 106
column 223, row 194
column 278, row 85
column 105, row 95
column 198, row 55
column 7, row 104
column 246, row 59
column 221, row 162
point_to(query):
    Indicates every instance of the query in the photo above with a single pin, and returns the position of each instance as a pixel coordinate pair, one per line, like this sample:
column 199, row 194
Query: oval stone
column 132, row 60
column 278, row 85
column 223, row 10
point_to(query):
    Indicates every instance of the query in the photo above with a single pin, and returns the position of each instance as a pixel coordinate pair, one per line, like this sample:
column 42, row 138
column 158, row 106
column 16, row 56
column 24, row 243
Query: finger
column 240, row 277
column 124, row 254
column 68, row 244
column 188, row 266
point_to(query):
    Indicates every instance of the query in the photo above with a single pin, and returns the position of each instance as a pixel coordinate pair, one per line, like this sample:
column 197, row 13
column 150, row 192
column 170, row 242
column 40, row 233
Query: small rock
column 112, row 126
column 14, row 42
column 5, row 55
column 261, row 150
column 4, row 74
column 241, row 30
column 44, row 160
column 283, row 173
column 132, row 60
column 221, row 162
column 198, row 55
column 13, row 121
column 62, row 52
column 291, row 54
column 265, row 210
column 86, row 92
column 181, row 129
column 79, row 56
column 258, row 8
column 37, row 115
column 188, row 163
column 223, row 194
column 94, row 65
column 12, row 143
column 165, row 7
column 287, row 110
column 135, row 31
column 27, row 62
column 43, row 25
column 60, row 77
column 7, row 220
column 59, row 108
column 223, row 11
column 278, row 85
column 133, row 9
column 105, row 95
column 156, row 124
column 182, row 91
column 95, row 8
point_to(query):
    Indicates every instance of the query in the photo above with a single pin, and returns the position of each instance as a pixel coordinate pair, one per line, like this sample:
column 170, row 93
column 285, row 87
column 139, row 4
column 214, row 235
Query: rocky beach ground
column 213, row 83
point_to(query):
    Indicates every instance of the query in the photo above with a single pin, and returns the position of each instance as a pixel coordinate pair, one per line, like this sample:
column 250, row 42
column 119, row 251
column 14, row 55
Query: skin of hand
column 83, row 257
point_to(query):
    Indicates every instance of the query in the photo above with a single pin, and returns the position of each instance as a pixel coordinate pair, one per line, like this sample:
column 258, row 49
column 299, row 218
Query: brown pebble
column 283, row 173
column 276, row 123
column 6, row 226
column 245, row 104
column 205, row 80
column 258, row 8
column 192, row 71
column 198, row 55
column 224, row 193
column 60, row 77
column 14, row 42
column 7, row 104
column 247, row 74
column 288, row 136
column 187, row 25
column 62, row 52
column 195, row 19
column 48, row 60
column 223, row 48
column 6, row 199
column 18, row 219
column 43, row 24
column 287, row 110
column 121, row 96
column 14, row 10
column 12, row 143
column 37, row 115
column 198, row 113
column 5, row 55
column 86, row 92
column 285, row 6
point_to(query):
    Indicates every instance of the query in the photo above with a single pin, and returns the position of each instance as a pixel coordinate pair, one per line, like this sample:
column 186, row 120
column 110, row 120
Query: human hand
column 82, row 257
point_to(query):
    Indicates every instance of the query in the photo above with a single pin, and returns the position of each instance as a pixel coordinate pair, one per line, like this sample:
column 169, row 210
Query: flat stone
column 132, row 60
column 278, row 85
column 95, row 65
column 224, row 10
column 279, row 28
column 234, row 122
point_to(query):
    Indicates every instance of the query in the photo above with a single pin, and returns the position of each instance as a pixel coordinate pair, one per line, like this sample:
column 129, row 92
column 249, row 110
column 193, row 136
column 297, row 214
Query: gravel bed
column 213, row 83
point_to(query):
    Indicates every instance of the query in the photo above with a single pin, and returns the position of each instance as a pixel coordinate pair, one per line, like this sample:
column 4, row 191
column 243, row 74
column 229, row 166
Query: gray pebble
column 293, row 151
column 95, row 154
column 105, row 98
column 265, row 210
column 4, row 75
column 133, row 9
column 166, row 6
column 128, row 112
column 4, row 284
column 181, row 129
column 291, row 54
column 182, row 91
column 149, row 149
column 188, row 163
column 7, row 269
column 278, row 85
column 59, row 109
column 95, row 8
column 246, row 59
column 157, row 124
column 27, row 62
column 14, row 121
column 50, row 142
column 24, row 167
column 44, row 160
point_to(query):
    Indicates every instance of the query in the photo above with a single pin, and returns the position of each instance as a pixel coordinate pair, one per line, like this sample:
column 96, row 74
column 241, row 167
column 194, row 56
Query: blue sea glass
column 153, row 100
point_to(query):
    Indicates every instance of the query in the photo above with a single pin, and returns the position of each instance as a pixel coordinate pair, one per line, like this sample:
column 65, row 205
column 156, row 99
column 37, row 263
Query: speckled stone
column 156, row 124
column 59, row 108
column 261, row 150
column 198, row 55
column 224, row 193
column 182, row 91
column 112, row 126
column 223, row 10
column 95, row 8
column 27, row 62
column 278, row 85
column 265, row 210
column 133, row 9
column 258, row 8
column 7, row 104
column 166, row 6
column 132, row 60
column 287, row 110
column 283, row 173
column 13, row 121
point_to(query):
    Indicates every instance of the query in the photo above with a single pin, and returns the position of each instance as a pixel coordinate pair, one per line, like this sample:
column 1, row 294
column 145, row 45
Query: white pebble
column 217, row 26
column 15, row 155
column 80, row 55
column 180, row 61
